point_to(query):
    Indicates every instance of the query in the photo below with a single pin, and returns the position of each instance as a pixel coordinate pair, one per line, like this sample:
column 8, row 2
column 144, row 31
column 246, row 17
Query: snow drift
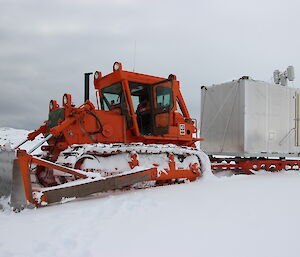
column 228, row 216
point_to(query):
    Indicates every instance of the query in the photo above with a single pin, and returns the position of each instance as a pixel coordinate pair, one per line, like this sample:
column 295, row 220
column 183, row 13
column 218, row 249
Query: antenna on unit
column 283, row 77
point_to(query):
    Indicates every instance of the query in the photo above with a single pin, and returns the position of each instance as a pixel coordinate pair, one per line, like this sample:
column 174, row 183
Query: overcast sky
column 46, row 46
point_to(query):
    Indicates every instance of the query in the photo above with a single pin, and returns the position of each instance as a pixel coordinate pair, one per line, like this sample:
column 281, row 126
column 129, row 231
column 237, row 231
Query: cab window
column 111, row 97
column 139, row 93
column 164, row 97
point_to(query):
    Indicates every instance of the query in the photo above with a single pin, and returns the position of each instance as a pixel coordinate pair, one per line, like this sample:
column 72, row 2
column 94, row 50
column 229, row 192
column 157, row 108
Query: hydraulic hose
column 98, row 122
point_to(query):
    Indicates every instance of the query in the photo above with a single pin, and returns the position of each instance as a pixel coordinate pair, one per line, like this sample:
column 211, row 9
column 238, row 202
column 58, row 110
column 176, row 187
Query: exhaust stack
column 87, row 86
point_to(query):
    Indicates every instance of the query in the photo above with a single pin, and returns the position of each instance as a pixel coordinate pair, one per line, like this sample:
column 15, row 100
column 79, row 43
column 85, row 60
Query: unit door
column 162, row 105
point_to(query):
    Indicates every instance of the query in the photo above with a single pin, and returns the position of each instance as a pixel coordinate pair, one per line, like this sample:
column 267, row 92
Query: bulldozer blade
column 11, row 181
column 7, row 158
column 98, row 186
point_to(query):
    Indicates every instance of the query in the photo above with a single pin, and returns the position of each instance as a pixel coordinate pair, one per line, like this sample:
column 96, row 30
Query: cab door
column 162, row 103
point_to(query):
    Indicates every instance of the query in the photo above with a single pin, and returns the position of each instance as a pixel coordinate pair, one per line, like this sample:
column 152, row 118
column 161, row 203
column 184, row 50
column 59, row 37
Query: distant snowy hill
column 238, row 216
column 10, row 137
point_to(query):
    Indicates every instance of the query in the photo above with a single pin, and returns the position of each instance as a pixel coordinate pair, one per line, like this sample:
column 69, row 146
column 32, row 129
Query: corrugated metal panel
column 221, row 119
column 249, row 118
column 297, row 120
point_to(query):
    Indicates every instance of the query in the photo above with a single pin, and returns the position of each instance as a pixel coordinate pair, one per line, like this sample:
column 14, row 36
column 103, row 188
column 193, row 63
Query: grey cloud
column 46, row 46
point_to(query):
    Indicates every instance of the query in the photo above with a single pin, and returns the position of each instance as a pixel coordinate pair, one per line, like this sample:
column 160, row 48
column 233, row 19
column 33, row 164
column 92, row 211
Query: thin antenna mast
column 134, row 55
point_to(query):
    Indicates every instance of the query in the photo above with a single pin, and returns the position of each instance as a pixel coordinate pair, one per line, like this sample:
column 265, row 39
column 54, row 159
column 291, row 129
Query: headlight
column 65, row 100
column 116, row 66
column 51, row 105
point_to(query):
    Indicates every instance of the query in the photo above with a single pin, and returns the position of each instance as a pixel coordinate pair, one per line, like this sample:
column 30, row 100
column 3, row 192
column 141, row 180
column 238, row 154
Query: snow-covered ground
column 239, row 216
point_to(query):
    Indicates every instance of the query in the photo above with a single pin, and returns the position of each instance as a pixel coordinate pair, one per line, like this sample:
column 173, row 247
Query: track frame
column 248, row 165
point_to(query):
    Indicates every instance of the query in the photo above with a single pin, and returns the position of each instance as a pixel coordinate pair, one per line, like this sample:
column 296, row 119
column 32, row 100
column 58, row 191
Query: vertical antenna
column 134, row 55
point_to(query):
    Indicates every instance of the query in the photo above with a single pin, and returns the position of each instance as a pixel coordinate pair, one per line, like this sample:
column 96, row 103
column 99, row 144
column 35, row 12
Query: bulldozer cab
column 151, row 105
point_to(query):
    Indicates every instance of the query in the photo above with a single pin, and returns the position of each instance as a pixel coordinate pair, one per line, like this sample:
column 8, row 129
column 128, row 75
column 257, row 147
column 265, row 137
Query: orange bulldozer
column 138, row 133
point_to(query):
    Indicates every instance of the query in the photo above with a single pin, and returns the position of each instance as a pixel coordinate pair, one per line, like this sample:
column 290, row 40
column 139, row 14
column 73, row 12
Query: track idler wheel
column 45, row 176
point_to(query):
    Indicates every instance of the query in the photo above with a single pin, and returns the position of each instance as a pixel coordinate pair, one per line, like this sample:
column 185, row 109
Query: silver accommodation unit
column 250, row 118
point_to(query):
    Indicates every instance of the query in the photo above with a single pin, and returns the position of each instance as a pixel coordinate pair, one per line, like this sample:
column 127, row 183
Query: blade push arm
column 31, row 136
column 42, row 129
